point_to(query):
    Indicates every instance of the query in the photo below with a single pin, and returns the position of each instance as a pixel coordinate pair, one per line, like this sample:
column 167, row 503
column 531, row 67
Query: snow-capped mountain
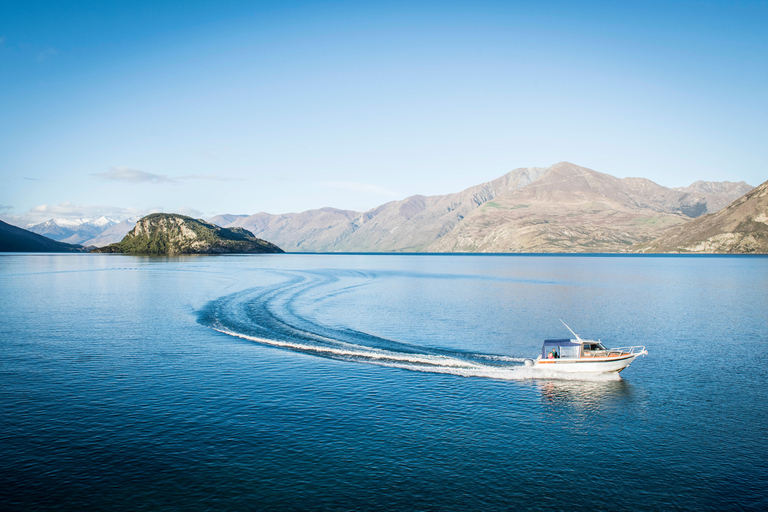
column 73, row 231
column 113, row 233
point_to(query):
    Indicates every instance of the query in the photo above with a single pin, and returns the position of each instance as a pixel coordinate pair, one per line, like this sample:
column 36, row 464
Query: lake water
column 379, row 382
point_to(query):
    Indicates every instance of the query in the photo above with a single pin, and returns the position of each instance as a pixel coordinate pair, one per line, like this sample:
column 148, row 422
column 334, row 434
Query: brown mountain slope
column 569, row 209
column 740, row 228
column 407, row 225
column 309, row 231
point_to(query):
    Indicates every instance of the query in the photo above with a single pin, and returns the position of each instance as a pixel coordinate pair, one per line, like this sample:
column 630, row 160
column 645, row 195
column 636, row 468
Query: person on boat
column 552, row 354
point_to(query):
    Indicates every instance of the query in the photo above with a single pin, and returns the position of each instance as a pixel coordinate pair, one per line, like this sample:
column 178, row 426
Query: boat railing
column 630, row 350
column 620, row 351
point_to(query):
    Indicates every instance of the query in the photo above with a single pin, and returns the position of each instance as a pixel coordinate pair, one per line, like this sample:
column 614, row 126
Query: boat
column 587, row 356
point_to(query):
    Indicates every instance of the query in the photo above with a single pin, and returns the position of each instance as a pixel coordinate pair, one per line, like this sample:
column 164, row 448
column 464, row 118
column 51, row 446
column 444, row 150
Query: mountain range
column 562, row 208
column 100, row 231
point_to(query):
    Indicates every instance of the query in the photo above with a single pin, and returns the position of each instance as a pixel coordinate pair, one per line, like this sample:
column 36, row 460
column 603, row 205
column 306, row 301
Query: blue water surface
column 379, row 382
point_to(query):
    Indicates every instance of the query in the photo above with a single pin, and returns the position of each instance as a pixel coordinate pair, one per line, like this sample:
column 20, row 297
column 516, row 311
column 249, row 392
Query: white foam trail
column 366, row 354
column 509, row 359
column 433, row 363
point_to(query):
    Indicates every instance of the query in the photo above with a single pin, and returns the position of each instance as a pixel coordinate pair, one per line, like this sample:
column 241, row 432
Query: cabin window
column 572, row 351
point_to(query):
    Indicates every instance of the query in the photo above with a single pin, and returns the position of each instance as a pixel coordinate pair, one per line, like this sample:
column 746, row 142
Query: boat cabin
column 566, row 348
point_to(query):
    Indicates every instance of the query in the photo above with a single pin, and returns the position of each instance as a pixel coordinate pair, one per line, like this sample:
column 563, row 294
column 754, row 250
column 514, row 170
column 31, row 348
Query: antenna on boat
column 577, row 336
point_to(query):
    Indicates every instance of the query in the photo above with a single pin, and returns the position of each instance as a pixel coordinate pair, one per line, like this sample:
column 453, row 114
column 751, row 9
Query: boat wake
column 272, row 316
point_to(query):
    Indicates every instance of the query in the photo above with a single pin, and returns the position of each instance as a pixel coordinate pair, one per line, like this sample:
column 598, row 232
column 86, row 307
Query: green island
column 171, row 234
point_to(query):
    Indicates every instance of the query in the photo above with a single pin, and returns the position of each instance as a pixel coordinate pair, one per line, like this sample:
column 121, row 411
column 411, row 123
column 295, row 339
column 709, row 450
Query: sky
column 204, row 108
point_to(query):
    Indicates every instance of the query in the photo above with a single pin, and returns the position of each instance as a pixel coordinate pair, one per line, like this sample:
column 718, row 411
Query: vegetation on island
column 170, row 233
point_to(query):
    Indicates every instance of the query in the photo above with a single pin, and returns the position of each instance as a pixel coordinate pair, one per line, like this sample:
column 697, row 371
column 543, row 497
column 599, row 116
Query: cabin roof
column 566, row 340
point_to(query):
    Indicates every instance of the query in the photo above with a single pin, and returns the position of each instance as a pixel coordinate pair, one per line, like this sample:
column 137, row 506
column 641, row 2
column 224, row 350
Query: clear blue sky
column 240, row 107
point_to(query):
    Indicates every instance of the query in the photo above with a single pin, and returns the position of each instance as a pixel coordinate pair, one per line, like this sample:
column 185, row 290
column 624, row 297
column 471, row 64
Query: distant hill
column 704, row 197
column 14, row 239
column 740, row 228
column 113, row 234
column 226, row 219
column 169, row 234
column 562, row 208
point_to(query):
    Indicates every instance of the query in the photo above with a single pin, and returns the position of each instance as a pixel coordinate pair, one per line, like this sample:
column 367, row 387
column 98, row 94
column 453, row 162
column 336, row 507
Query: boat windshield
column 555, row 349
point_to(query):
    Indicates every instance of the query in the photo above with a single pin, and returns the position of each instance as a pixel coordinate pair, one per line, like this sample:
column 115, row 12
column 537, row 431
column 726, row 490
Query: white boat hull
column 588, row 364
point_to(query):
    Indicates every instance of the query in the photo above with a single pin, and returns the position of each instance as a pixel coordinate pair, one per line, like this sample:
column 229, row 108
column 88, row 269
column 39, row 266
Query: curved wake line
column 272, row 316
column 374, row 355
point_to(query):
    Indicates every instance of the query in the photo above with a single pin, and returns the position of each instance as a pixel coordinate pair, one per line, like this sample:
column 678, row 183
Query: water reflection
column 584, row 394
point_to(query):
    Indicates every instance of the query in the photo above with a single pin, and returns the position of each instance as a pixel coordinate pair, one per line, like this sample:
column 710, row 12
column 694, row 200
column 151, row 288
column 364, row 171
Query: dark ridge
column 15, row 239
